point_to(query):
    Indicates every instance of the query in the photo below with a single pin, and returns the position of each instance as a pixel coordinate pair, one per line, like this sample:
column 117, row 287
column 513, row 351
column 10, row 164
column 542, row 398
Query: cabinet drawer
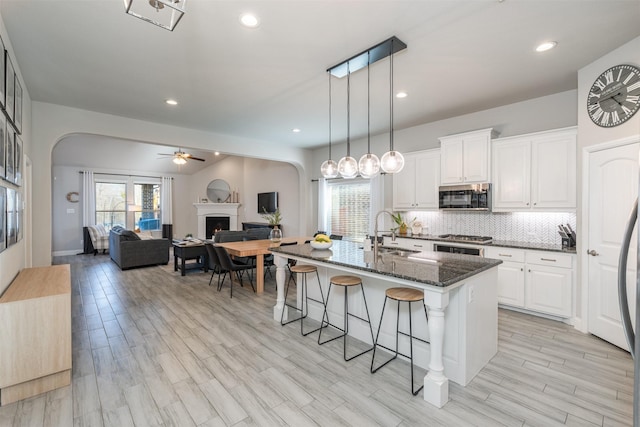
column 551, row 259
column 505, row 254
column 412, row 244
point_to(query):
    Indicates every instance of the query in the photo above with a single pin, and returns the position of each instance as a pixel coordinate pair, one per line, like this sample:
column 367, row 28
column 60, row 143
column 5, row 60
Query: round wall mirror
column 218, row 191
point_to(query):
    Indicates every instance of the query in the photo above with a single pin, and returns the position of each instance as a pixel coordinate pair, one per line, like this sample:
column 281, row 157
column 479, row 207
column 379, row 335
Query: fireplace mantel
column 216, row 209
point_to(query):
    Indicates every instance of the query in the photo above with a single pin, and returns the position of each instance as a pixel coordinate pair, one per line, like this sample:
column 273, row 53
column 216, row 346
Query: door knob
column 592, row 252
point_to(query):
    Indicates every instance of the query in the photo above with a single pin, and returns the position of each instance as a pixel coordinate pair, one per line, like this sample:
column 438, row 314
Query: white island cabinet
column 459, row 293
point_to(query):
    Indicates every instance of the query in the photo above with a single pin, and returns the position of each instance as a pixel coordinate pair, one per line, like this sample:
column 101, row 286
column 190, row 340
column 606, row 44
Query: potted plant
column 402, row 224
column 273, row 219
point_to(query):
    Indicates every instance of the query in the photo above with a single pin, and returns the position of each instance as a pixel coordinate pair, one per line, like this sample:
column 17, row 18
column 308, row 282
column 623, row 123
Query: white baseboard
column 66, row 253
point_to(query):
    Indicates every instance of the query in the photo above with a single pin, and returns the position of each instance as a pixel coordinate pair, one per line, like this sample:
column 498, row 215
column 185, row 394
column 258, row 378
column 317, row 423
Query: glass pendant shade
column 392, row 161
column 329, row 169
column 348, row 167
column 369, row 165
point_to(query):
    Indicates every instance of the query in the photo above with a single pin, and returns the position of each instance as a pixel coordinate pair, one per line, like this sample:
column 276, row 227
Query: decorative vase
column 275, row 235
column 403, row 229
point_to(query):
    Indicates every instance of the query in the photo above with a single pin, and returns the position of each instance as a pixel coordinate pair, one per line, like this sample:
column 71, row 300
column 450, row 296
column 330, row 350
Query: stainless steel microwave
column 472, row 197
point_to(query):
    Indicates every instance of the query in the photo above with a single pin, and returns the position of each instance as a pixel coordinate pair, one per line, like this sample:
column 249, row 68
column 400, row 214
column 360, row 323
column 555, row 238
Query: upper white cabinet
column 416, row 186
column 535, row 171
column 464, row 158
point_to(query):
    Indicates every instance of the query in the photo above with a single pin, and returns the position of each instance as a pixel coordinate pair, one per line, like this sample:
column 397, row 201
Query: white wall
column 590, row 134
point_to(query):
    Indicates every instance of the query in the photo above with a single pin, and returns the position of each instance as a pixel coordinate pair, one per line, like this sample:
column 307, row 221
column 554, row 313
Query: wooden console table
column 35, row 333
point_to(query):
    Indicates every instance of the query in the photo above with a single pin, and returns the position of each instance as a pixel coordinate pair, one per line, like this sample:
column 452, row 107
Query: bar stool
column 407, row 295
column 303, row 269
column 346, row 282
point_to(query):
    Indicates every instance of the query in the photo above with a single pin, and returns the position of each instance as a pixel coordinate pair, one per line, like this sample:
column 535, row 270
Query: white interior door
column 613, row 187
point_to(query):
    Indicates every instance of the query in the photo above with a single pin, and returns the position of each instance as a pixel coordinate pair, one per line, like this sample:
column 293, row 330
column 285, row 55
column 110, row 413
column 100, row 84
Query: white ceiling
column 462, row 56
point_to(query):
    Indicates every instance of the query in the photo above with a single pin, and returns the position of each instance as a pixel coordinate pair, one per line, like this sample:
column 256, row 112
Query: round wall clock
column 615, row 96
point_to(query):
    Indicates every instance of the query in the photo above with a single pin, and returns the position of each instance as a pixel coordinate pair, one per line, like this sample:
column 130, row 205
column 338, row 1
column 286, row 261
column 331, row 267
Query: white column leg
column 281, row 275
column 436, row 384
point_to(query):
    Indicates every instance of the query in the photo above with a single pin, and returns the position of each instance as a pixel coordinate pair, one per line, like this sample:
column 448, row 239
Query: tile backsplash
column 531, row 227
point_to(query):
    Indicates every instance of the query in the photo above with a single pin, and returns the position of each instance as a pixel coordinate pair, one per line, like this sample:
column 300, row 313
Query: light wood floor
column 153, row 348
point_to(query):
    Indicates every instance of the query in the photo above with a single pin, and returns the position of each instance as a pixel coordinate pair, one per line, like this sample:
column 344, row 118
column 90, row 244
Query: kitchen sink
column 396, row 251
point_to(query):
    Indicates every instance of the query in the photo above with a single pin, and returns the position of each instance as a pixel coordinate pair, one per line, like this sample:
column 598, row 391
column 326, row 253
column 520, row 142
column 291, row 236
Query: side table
column 190, row 252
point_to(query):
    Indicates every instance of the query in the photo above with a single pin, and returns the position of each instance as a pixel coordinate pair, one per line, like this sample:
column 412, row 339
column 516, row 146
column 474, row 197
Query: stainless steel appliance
column 458, row 249
column 627, row 325
column 473, row 197
column 461, row 238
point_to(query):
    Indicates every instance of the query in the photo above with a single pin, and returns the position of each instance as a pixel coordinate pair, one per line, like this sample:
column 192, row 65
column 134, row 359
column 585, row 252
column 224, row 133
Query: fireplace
column 215, row 223
column 216, row 210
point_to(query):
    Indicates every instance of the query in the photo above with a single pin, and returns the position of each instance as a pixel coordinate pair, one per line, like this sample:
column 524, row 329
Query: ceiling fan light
column 392, row 161
column 348, row 167
column 329, row 169
column 179, row 160
column 369, row 165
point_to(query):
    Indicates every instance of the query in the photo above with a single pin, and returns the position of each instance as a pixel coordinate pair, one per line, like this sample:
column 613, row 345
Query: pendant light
column 329, row 168
column 348, row 166
column 392, row 161
column 369, row 164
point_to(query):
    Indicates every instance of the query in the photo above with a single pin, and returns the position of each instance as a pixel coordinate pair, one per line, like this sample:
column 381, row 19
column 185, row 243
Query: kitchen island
column 459, row 292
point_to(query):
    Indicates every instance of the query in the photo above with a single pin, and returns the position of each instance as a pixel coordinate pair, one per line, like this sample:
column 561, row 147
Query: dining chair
column 231, row 266
column 214, row 262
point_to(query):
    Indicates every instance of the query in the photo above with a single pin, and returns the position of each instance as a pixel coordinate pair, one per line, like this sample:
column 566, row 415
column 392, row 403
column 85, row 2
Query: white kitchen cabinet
column 408, row 243
column 464, row 158
column 535, row 171
column 416, row 186
column 534, row 280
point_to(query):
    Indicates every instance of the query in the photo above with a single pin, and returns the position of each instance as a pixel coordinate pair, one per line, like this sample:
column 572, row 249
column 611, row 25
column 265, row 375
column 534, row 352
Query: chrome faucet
column 375, row 233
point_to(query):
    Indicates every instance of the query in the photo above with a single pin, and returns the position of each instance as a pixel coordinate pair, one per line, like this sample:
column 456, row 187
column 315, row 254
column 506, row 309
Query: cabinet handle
column 529, row 270
column 547, row 259
column 417, row 246
column 393, row 243
column 535, row 203
column 593, row 252
column 527, row 204
column 507, row 255
column 522, row 269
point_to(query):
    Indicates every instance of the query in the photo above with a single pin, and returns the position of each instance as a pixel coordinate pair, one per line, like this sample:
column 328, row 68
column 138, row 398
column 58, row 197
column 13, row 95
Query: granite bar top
column 499, row 243
column 430, row 268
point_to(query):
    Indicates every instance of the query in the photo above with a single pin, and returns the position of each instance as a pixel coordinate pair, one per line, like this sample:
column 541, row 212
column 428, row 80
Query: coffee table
column 190, row 252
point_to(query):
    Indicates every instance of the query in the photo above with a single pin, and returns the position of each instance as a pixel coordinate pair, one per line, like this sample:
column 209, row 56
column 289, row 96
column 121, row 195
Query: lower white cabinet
column 535, row 280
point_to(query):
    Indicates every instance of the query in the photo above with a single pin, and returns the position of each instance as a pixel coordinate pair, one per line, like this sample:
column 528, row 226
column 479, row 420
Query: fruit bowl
column 320, row 245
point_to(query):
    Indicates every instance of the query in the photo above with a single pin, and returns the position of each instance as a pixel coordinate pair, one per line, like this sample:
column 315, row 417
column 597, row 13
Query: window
column 147, row 202
column 133, row 205
column 111, row 206
column 349, row 208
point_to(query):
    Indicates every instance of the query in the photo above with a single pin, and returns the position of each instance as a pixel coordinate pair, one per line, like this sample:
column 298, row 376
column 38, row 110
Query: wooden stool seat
column 405, row 294
column 346, row 280
column 303, row 268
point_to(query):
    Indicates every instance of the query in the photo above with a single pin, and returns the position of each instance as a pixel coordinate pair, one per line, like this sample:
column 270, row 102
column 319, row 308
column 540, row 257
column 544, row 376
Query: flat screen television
column 267, row 202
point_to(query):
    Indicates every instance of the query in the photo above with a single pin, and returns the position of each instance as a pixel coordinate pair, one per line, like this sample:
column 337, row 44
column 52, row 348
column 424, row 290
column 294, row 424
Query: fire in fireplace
column 215, row 223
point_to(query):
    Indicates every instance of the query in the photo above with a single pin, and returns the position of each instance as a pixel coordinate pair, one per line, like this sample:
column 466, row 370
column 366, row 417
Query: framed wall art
column 3, row 54
column 17, row 114
column 10, row 146
column 17, row 163
column 3, row 216
column 9, row 87
column 12, row 231
column 19, row 210
column 3, row 147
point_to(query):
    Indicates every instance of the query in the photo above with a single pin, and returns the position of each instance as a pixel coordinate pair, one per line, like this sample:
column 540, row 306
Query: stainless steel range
column 461, row 238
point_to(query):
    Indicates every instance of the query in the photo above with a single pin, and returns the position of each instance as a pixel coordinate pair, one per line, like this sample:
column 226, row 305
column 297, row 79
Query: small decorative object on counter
column 416, row 227
column 275, row 235
column 321, row 241
column 402, row 224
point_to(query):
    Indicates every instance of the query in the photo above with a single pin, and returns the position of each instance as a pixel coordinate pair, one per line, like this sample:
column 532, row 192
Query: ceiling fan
column 180, row 157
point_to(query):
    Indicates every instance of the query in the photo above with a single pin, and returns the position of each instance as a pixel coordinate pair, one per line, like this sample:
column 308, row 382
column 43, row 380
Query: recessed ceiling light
column 401, row 95
column 542, row 47
column 216, row 153
column 295, row 130
column 249, row 20
column 171, row 102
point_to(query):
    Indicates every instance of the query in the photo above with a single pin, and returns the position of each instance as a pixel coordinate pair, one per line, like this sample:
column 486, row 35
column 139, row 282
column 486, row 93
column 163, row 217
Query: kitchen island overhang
column 460, row 294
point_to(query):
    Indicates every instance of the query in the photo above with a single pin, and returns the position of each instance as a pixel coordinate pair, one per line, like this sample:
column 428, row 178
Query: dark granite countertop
column 499, row 243
column 431, row 268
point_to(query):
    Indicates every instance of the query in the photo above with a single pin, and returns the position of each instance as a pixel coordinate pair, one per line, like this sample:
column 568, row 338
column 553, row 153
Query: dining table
column 258, row 248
